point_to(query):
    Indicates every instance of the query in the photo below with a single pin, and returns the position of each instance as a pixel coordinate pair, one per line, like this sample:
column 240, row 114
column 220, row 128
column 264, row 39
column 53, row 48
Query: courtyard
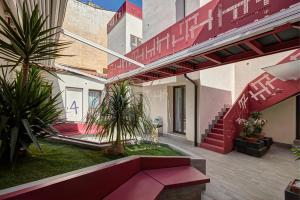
column 150, row 99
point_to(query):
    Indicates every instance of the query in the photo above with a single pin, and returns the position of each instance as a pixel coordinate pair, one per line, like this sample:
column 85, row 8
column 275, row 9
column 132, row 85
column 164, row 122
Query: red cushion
column 139, row 187
column 178, row 176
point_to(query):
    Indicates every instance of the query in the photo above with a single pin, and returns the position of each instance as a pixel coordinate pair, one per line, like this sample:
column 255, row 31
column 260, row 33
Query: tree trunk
column 118, row 147
column 25, row 74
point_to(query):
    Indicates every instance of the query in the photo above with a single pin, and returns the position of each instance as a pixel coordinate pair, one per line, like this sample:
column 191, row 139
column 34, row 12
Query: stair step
column 220, row 121
column 217, row 130
column 213, row 141
column 219, row 126
column 216, row 136
column 212, row 147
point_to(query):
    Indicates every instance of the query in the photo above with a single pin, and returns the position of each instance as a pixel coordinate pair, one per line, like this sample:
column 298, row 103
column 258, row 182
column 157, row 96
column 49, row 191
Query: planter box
column 257, row 149
column 291, row 193
column 268, row 141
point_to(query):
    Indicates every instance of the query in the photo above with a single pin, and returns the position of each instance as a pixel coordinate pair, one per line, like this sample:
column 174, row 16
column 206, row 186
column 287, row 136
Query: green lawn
column 58, row 158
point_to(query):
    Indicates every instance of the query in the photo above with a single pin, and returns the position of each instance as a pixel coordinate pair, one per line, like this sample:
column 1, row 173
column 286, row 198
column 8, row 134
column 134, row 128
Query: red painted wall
column 95, row 182
column 209, row 21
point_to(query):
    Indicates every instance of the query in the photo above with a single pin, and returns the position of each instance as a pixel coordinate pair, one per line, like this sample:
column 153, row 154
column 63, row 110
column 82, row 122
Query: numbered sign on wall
column 74, row 104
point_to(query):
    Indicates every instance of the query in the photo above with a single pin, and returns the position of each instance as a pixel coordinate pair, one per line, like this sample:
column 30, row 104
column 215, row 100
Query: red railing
column 259, row 94
column 209, row 21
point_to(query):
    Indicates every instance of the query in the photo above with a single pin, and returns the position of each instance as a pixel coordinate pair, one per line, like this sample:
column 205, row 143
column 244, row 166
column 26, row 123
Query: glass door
column 179, row 109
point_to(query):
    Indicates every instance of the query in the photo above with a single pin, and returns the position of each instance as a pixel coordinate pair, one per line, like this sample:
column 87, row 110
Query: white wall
column 119, row 36
column 134, row 26
column 157, row 16
column 281, row 121
column 216, row 85
column 246, row 71
column 75, row 81
column 117, row 40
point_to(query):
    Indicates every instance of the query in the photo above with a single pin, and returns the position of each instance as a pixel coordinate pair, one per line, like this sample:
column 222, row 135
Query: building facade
column 88, row 22
column 124, row 30
column 173, row 99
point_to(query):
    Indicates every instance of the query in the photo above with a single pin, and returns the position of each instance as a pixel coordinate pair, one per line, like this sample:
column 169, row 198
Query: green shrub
column 26, row 112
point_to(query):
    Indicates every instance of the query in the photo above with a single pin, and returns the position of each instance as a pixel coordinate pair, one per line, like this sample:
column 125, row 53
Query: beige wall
column 281, row 121
column 248, row 70
column 89, row 23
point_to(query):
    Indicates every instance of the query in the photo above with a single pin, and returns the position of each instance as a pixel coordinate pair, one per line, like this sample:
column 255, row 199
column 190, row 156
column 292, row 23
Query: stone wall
column 90, row 23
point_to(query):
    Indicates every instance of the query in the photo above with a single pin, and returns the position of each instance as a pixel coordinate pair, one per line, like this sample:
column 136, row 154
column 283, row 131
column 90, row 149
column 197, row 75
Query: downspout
column 196, row 109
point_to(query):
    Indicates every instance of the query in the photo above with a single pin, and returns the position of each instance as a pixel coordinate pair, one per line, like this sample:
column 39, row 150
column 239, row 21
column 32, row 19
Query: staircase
column 261, row 93
column 214, row 140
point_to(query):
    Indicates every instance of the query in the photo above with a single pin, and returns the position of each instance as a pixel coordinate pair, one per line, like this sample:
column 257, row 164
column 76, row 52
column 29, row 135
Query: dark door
column 179, row 109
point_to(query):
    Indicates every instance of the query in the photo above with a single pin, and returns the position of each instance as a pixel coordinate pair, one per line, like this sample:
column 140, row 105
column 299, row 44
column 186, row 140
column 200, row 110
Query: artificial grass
column 59, row 158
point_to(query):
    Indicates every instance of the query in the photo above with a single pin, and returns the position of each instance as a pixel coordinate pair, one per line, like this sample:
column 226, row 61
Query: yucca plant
column 120, row 116
column 26, row 113
column 28, row 41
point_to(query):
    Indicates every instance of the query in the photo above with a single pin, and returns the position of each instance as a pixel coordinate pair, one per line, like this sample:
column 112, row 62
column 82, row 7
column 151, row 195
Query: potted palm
column 120, row 117
column 251, row 140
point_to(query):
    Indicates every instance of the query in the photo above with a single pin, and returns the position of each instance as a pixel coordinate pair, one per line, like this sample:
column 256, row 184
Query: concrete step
column 217, row 130
column 212, row 147
column 219, row 126
column 220, row 121
column 216, row 136
column 215, row 142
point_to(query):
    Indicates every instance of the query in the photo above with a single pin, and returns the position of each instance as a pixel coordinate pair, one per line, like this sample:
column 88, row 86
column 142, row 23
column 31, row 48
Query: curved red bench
column 133, row 178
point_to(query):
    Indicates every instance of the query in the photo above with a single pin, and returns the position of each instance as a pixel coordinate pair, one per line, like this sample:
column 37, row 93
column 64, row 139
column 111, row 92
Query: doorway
column 179, row 115
column 74, row 104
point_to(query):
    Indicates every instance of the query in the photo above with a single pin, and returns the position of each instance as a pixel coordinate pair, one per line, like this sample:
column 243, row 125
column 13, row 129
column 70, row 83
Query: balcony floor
column 236, row 176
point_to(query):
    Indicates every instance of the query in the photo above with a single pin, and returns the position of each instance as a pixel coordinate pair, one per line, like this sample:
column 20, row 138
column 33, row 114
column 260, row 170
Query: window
column 135, row 41
column 94, row 99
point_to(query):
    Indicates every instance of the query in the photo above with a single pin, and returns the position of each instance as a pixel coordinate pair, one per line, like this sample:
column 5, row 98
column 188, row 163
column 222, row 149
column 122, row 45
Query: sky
column 113, row 4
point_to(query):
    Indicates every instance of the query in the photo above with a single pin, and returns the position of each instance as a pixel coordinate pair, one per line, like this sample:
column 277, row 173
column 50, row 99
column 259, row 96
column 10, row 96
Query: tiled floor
column 237, row 176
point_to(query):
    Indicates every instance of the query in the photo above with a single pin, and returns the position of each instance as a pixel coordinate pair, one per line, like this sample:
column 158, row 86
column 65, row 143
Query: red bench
column 129, row 178
column 71, row 129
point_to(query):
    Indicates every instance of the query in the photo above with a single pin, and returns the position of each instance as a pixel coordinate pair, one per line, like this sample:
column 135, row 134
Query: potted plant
column 251, row 140
column 292, row 192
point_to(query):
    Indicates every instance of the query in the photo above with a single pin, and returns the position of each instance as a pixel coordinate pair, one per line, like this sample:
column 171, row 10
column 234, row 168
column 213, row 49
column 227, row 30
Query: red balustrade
column 261, row 93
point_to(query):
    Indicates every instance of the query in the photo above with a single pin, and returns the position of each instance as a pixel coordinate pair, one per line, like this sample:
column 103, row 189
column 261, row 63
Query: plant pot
column 252, row 148
column 268, row 141
column 292, row 192
column 256, row 145
column 257, row 152
column 241, row 145
column 253, row 139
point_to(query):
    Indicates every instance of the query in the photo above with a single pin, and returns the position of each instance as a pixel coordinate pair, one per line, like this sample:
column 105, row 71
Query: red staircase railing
column 261, row 93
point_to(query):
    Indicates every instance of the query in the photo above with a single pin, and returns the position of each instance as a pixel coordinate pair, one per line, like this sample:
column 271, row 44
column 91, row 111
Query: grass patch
column 59, row 158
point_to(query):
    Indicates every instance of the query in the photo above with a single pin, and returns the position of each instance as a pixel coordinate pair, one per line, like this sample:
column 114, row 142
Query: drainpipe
column 196, row 109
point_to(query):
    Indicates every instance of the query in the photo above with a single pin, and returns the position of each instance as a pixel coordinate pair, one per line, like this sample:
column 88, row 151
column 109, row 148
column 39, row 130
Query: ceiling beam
column 185, row 65
column 165, row 71
column 213, row 57
column 254, row 46
column 277, row 37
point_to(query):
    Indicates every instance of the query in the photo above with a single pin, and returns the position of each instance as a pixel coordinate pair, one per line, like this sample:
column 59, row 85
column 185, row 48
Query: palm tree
column 120, row 116
column 28, row 42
